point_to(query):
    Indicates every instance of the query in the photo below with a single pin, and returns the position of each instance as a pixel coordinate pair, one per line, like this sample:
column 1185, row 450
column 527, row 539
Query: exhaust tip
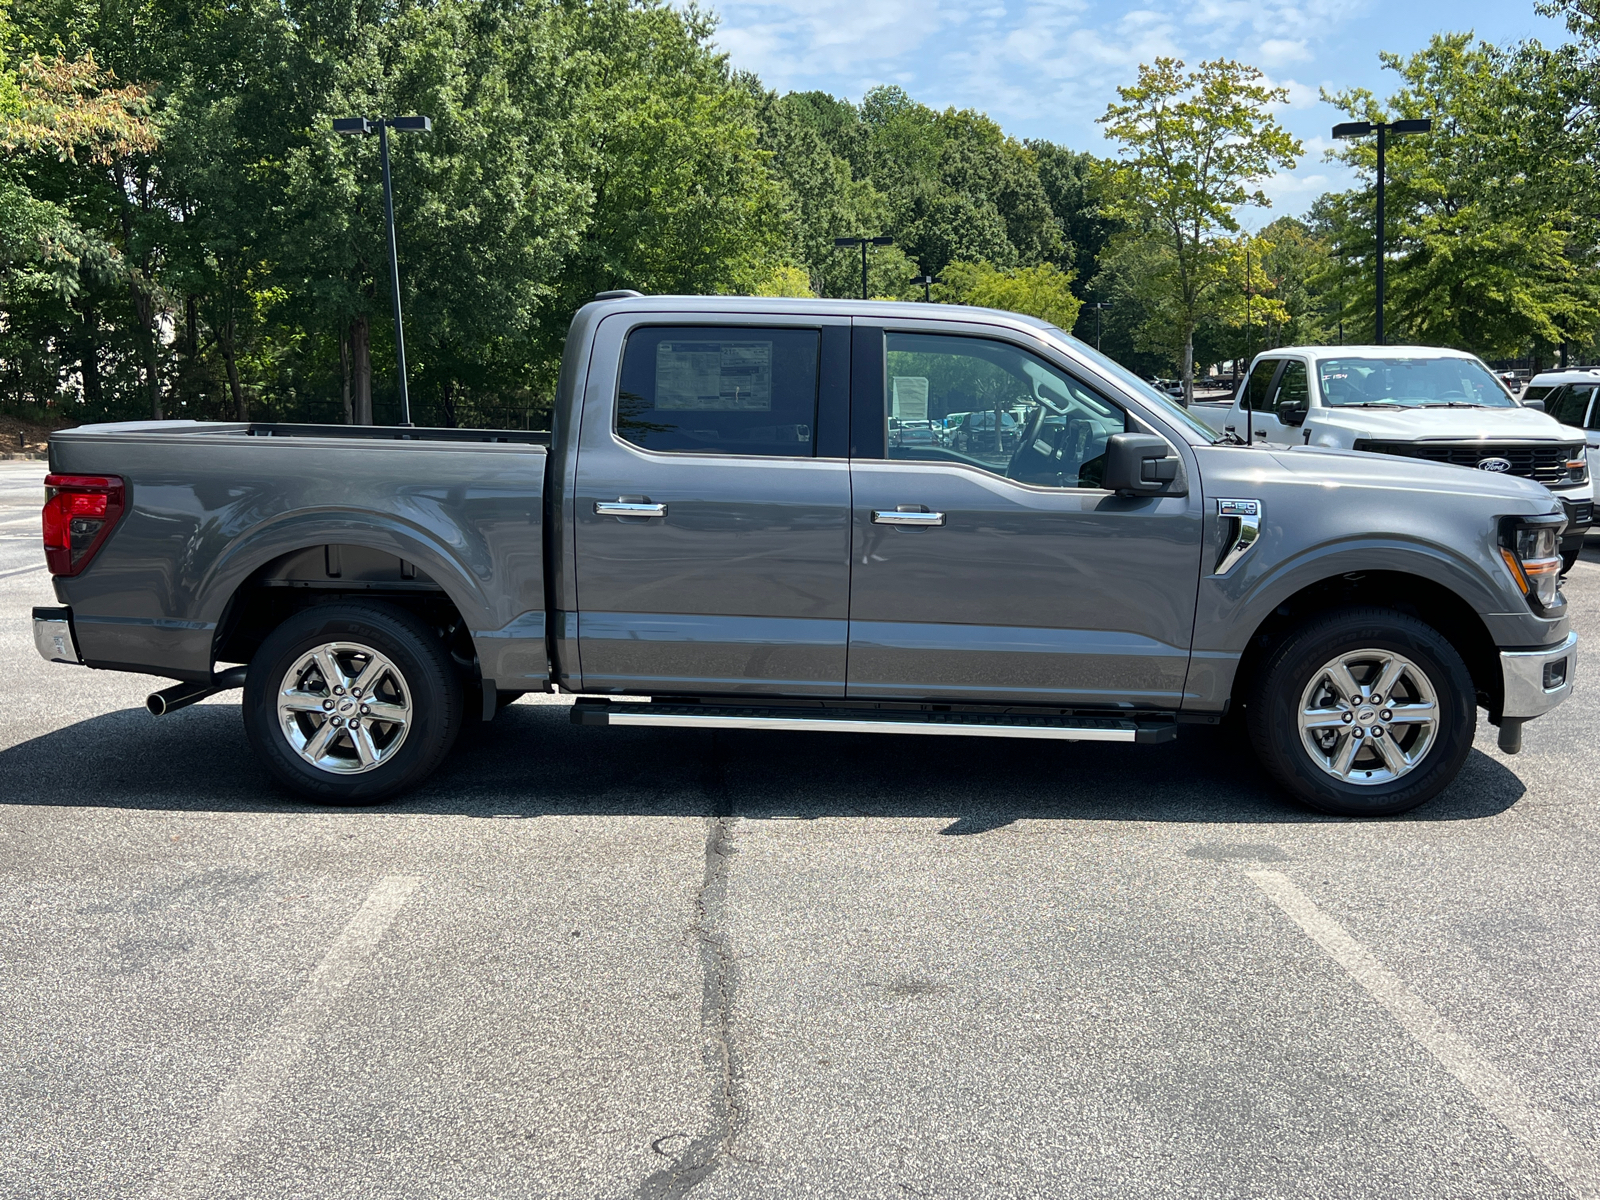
column 156, row 703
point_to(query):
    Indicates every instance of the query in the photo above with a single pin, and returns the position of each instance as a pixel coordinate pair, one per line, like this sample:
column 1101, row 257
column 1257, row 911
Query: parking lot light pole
column 366, row 126
column 864, row 242
column 927, row 282
column 1099, row 307
column 1359, row 129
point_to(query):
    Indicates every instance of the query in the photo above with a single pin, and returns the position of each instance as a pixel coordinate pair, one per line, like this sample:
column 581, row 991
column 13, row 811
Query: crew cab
column 1417, row 402
column 719, row 532
column 1571, row 397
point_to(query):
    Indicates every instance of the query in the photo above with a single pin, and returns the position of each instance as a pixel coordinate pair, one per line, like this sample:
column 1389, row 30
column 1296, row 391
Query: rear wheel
column 352, row 703
column 1364, row 712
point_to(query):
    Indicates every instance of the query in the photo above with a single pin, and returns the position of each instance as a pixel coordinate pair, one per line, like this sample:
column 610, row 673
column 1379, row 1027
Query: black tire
column 427, row 681
column 1290, row 670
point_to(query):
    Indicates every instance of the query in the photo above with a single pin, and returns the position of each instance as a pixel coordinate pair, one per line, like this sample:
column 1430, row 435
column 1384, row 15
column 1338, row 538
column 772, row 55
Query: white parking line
column 1536, row 1129
column 269, row 1066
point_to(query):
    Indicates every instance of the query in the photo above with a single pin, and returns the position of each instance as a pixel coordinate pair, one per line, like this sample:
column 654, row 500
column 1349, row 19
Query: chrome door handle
column 626, row 508
column 907, row 518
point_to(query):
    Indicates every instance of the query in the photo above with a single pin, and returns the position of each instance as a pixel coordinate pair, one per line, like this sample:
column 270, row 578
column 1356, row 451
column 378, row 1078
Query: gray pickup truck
column 719, row 532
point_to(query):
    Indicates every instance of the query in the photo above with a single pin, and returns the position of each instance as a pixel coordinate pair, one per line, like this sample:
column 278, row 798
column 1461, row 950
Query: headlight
column 1577, row 465
column 1531, row 548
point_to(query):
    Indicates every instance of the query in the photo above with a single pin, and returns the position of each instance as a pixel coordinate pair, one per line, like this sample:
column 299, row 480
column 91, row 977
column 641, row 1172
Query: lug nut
column 1385, row 714
column 1348, row 717
column 355, row 692
column 338, row 691
column 1357, row 732
column 1377, row 699
column 365, row 710
column 355, row 722
column 1377, row 731
column 327, row 704
column 337, row 722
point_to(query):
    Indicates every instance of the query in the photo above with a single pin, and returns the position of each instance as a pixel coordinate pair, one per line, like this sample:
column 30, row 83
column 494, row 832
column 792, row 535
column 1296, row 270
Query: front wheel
column 352, row 703
column 1363, row 713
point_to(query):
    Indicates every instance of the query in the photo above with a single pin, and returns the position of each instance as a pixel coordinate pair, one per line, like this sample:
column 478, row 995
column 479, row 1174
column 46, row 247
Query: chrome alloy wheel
column 344, row 707
column 1369, row 717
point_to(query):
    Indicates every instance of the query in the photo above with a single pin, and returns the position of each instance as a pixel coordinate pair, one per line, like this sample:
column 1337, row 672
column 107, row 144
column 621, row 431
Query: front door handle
column 627, row 508
column 922, row 519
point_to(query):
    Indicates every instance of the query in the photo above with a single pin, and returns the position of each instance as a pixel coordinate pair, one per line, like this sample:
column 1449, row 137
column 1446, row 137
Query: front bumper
column 52, row 635
column 1538, row 680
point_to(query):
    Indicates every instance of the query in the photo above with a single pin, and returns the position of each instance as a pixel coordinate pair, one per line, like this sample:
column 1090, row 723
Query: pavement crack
column 705, row 1153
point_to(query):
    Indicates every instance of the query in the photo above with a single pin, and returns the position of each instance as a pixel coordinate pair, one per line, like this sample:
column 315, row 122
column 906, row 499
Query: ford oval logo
column 1494, row 464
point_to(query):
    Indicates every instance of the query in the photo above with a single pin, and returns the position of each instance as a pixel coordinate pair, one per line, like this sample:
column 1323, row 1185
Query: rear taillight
column 79, row 511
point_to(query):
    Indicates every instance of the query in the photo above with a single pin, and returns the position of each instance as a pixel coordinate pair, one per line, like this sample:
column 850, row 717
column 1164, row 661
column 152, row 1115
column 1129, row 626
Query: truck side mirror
column 1536, row 405
column 1292, row 414
column 1141, row 464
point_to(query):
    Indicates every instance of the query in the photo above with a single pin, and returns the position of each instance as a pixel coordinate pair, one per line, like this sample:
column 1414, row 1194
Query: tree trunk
column 226, row 342
column 361, row 369
column 89, row 356
column 344, row 369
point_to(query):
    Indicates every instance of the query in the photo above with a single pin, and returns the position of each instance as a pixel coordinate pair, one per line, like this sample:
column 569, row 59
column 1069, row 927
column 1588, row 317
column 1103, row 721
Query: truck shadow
column 532, row 762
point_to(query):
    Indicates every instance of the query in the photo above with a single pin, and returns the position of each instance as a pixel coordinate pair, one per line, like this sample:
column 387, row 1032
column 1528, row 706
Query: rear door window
column 1570, row 405
column 720, row 390
column 1258, row 387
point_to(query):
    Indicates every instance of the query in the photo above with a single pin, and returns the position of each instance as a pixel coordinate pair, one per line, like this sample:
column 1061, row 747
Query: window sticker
column 714, row 376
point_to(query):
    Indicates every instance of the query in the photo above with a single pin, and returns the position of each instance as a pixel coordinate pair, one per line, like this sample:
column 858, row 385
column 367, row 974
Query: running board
column 847, row 720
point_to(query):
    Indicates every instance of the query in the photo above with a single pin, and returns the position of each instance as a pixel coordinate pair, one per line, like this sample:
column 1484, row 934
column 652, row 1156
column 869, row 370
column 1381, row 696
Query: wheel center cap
column 1367, row 716
column 347, row 705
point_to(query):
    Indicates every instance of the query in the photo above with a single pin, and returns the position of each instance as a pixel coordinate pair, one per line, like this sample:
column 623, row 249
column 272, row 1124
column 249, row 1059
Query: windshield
column 1410, row 383
column 1170, row 409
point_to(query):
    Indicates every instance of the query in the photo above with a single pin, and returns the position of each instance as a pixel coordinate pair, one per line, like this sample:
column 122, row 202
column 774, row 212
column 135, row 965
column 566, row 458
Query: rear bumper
column 1538, row 680
column 52, row 635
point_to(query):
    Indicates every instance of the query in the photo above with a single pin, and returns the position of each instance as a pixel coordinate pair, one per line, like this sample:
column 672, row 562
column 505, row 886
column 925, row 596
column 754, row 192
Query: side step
column 867, row 720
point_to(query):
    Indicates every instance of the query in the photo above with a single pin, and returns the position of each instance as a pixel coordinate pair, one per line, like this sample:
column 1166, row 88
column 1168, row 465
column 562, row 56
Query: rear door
column 712, row 507
column 997, row 568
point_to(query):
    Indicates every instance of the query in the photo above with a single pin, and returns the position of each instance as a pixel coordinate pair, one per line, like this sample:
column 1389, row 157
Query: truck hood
column 1335, row 469
column 1452, row 424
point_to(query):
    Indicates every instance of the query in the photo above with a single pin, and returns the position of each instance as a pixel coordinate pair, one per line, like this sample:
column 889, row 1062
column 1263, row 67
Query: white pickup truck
column 1414, row 401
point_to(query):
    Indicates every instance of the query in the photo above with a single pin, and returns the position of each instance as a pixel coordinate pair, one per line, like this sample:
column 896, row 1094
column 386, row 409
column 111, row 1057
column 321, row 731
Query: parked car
column 975, row 434
column 1573, row 399
column 911, row 433
column 1417, row 402
column 717, row 531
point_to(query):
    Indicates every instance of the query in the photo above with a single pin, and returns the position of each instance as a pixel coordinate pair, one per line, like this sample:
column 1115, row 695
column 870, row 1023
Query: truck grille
column 1581, row 513
column 1544, row 462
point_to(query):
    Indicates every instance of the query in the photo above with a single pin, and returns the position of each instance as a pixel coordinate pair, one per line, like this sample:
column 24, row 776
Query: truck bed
column 226, row 523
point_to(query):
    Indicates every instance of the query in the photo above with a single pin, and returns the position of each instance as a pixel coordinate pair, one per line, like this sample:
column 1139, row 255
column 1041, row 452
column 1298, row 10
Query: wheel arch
column 1417, row 596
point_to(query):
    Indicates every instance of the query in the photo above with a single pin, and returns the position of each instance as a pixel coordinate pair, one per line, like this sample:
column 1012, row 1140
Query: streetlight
column 864, row 242
column 1358, row 129
column 1099, row 307
column 365, row 126
column 927, row 282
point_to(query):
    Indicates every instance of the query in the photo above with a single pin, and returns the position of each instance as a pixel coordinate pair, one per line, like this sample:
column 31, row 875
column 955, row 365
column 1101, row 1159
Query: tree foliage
column 1195, row 147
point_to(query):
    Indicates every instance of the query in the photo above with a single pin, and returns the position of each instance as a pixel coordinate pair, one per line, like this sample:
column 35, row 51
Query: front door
column 991, row 565
column 712, row 508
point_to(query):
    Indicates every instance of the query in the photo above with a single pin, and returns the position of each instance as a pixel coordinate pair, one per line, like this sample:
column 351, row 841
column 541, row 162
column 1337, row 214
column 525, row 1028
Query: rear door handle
column 626, row 508
column 907, row 518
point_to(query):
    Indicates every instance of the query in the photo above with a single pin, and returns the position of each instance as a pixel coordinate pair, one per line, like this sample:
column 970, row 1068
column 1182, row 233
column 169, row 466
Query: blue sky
column 1048, row 68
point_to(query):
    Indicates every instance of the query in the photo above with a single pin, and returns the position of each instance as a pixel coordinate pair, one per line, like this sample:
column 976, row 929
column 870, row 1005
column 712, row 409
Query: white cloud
column 1041, row 67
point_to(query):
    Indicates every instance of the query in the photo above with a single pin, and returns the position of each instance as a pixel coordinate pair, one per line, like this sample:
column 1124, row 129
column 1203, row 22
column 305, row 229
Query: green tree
column 1195, row 147
column 1043, row 291
column 1491, row 221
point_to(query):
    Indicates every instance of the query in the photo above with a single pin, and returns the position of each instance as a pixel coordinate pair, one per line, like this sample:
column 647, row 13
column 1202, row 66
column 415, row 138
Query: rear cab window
column 720, row 389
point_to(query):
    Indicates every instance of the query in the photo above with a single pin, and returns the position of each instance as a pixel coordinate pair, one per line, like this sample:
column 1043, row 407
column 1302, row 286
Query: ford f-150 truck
column 1415, row 401
column 719, row 532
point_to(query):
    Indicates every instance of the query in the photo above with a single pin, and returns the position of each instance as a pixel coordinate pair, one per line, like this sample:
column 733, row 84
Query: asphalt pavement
column 596, row 962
